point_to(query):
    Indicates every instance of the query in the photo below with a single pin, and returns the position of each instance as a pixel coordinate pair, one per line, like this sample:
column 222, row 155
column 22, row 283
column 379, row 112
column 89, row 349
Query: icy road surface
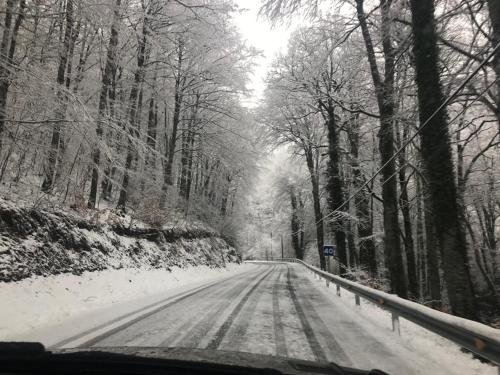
column 271, row 308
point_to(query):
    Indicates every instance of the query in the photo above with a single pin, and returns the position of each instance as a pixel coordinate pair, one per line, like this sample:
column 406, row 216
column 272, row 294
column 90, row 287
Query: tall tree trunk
column 437, row 157
column 295, row 224
column 212, row 193
column 318, row 215
column 477, row 249
column 420, row 240
column 494, row 10
column 7, row 51
column 474, row 246
column 107, row 75
column 225, row 195
column 5, row 64
column 301, row 224
column 69, row 69
column 151, row 133
column 335, row 183
column 197, row 170
column 183, row 152
column 189, row 175
column 489, row 229
column 367, row 256
column 178, row 98
column 110, row 171
column 404, row 204
column 351, row 243
column 385, row 99
column 55, row 143
column 135, row 103
column 432, row 253
column 85, row 52
column 209, row 177
column 187, row 151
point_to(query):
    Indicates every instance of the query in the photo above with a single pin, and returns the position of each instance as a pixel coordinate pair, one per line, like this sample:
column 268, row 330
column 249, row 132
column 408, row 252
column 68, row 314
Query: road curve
column 275, row 309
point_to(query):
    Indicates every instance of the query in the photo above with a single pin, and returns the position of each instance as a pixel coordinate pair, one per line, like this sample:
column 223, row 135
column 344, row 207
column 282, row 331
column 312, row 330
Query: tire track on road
column 163, row 304
column 239, row 332
column 221, row 332
column 308, row 331
column 197, row 331
column 279, row 333
column 334, row 348
column 170, row 324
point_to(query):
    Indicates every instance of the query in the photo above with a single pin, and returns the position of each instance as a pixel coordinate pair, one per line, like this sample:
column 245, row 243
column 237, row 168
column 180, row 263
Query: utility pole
column 272, row 246
column 282, row 255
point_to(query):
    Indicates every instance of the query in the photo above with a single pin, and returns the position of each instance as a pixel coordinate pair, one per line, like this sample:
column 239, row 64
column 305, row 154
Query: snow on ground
column 32, row 306
column 424, row 343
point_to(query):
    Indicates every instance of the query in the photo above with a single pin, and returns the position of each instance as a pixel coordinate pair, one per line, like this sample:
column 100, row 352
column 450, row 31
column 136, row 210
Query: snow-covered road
column 271, row 309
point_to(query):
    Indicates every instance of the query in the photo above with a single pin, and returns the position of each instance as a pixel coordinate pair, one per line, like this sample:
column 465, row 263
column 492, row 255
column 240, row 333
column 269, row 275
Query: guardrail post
column 395, row 323
column 338, row 290
column 327, row 283
column 358, row 300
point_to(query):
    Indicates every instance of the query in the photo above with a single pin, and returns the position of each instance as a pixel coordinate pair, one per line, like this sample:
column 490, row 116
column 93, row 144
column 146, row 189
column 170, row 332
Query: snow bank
column 48, row 242
column 420, row 342
column 31, row 306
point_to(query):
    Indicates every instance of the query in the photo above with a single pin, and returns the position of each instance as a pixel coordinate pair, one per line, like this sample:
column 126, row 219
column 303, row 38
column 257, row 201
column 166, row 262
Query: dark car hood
column 249, row 360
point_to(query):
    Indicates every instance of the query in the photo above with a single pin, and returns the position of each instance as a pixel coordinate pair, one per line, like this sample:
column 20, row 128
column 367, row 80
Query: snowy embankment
column 55, row 265
column 48, row 242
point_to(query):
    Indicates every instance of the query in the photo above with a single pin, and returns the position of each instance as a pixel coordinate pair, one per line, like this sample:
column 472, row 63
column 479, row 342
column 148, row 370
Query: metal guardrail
column 476, row 337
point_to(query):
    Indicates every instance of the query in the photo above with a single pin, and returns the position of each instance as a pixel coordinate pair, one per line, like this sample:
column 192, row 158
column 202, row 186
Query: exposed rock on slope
column 45, row 242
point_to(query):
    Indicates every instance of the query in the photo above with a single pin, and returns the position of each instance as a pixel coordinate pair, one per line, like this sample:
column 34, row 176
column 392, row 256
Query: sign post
column 328, row 252
column 282, row 255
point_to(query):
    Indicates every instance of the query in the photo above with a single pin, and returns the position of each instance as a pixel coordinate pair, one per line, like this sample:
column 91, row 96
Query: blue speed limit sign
column 328, row 250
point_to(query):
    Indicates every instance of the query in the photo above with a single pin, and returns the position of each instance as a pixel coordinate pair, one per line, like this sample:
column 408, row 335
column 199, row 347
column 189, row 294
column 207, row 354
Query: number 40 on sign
column 328, row 250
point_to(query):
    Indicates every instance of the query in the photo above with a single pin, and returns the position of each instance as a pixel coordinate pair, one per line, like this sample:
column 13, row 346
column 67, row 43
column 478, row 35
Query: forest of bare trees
column 128, row 105
column 392, row 107
column 389, row 111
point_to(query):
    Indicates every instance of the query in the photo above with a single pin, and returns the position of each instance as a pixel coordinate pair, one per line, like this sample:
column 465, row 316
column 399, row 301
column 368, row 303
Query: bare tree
column 436, row 153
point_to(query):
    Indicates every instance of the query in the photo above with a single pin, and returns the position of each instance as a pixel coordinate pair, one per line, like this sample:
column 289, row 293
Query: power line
column 410, row 140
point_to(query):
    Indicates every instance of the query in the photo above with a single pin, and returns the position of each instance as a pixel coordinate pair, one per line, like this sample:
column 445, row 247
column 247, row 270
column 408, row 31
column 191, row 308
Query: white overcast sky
column 258, row 32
